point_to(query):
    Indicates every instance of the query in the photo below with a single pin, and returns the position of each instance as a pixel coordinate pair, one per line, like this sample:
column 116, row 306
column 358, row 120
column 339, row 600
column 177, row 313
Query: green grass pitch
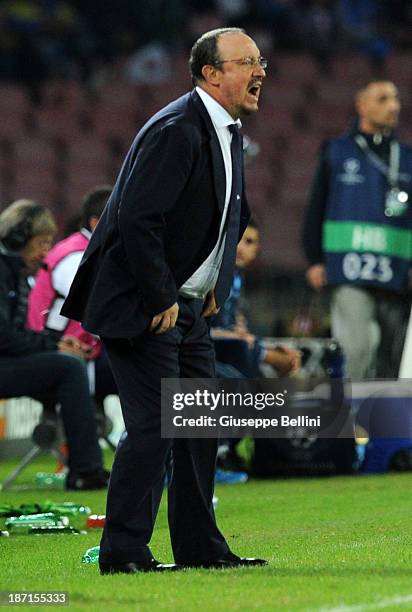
column 334, row 544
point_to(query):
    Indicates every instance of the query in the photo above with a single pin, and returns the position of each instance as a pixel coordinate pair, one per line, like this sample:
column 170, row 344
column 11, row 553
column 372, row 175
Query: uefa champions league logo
column 351, row 165
column 350, row 175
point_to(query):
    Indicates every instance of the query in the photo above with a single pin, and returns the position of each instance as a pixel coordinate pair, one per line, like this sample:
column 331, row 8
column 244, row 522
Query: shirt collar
column 86, row 232
column 219, row 116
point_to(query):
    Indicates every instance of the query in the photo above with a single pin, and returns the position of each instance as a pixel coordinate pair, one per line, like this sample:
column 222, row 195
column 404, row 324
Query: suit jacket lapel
column 219, row 173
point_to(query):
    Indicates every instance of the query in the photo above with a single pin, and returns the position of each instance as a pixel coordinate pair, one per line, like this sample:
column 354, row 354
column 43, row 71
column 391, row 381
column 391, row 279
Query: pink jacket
column 45, row 301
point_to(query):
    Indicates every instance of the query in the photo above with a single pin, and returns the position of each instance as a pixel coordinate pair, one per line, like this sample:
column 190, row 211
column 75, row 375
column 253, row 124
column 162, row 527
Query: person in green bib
column 357, row 234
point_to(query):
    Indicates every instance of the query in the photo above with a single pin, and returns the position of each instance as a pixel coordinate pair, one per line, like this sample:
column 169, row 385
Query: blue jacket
column 359, row 243
column 160, row 223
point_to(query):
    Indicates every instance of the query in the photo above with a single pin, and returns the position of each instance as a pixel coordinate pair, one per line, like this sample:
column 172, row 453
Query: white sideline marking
column 379, row 605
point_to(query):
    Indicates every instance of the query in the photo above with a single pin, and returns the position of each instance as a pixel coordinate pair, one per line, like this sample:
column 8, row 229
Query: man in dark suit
column 158, row 264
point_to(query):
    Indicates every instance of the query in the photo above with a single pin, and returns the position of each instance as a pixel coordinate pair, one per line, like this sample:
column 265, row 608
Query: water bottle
column 96, row 521
column 53, row 529
column 27, row 509
column 47, row 481
column 91, row 555
column 66, row 508
column 60, row 508
column 25, row 521
column 8, row 510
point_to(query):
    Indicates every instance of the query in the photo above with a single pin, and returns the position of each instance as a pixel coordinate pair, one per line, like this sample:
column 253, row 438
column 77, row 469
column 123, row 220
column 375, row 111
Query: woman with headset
column 35, row 364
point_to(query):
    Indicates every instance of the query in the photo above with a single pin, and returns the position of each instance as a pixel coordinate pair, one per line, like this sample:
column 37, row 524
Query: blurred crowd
column 40, row 39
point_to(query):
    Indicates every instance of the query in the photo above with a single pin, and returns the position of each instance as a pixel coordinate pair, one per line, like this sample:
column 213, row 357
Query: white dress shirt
column 205, row 277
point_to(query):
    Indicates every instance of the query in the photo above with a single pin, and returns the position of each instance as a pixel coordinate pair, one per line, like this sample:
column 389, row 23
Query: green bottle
column 30, row 509
column 23, row 522
column 91, row 555
column 48, row 481
column 61, row 508
column 53, row 529
column 66, row 508
column 8, row 510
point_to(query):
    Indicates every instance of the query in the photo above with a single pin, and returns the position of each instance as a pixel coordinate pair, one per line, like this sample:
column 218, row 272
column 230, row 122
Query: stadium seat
column 295, row 68
column 33, row 152
column 58, row 122
column 13, row 100
column 116, row 123
column 36, row 183
column 14, row 125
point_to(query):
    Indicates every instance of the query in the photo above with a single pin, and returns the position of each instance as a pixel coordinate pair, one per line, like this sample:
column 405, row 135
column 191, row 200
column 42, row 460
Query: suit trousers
column 138, row 473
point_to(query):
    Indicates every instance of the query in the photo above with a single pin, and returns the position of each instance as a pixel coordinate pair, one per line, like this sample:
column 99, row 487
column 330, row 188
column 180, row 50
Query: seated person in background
column 35, row 364
column 247, row 352
column 52, row 285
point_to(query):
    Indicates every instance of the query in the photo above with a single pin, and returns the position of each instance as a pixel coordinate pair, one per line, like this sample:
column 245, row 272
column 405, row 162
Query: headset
column 22, row 232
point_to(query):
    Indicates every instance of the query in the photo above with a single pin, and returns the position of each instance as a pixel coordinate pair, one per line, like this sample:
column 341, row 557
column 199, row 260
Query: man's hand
column 74, row 346
column 165, row 320
column 210, row 307
column 285, row 360
column 316, row 276
column 244, row 334
column 250, row 339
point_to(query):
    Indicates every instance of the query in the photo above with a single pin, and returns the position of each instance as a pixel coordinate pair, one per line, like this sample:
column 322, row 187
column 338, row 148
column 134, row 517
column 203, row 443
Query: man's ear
column 93, row 221
column 359, row 103
column 211, row 74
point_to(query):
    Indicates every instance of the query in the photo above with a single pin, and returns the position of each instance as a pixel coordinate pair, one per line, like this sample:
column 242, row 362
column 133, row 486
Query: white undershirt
column 205, row 277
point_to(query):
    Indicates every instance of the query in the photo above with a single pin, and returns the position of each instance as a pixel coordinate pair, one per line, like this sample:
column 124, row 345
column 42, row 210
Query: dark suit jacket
column 160, row 223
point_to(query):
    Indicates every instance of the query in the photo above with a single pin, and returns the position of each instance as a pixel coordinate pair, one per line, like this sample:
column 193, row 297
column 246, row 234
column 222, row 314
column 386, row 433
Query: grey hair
column 205, row 52
column 14, row 215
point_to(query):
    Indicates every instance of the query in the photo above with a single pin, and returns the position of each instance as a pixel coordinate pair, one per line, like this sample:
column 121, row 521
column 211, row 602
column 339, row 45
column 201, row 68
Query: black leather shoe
column 230, row 561
column 88, row 482
column 134, row 568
